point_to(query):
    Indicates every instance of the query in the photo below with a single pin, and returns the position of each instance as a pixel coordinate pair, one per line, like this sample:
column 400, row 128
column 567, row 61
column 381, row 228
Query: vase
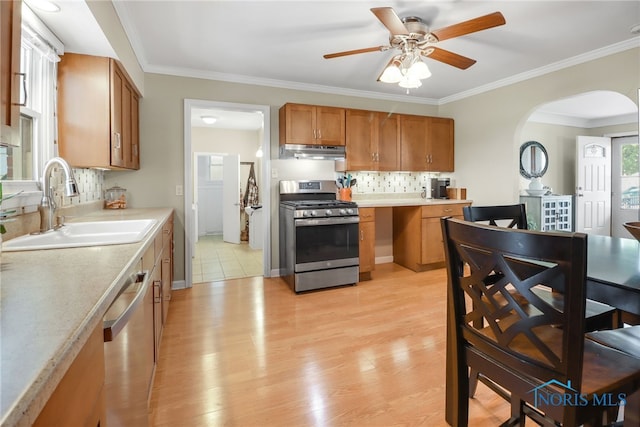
column 536, row 184
column 344, row 194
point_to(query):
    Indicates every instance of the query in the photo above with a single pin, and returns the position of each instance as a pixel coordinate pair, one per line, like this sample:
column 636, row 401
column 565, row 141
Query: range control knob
column 313, row 213
column 344, row 211
column 327, row 212
column 350, row 211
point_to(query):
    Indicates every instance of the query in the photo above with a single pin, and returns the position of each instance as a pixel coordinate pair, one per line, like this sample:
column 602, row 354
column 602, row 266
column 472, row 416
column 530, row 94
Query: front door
column 593, row 185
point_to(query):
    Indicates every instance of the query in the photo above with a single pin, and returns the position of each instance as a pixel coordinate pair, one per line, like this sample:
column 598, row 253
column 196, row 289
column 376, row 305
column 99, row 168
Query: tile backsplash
column 90, row 185
column 391, row 182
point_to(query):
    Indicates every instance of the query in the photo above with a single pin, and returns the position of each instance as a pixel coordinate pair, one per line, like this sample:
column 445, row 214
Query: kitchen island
column 51, row 302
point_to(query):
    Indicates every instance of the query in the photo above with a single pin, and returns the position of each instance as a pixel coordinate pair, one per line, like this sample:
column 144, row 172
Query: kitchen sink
column 79, row 234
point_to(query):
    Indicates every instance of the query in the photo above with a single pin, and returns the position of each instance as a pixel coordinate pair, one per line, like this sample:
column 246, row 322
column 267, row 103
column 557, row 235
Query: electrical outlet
column 274, row 173
column 179, row 190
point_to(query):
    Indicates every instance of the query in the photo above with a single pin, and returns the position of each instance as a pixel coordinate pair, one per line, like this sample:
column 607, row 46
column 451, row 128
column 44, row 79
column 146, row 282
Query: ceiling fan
column 412, row 37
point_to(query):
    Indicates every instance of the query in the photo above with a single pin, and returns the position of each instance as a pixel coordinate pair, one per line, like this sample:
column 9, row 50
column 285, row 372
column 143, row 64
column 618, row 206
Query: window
column 20, row 166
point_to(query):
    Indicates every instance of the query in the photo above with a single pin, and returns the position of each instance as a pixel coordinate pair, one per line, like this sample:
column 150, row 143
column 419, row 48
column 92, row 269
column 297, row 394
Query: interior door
column 593, row 185
column 231, row 198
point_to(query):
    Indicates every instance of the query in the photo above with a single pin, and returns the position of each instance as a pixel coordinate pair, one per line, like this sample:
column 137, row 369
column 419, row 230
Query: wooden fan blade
column 471, row 26
column 450, row 58
column 390, row 19
column 354, row 52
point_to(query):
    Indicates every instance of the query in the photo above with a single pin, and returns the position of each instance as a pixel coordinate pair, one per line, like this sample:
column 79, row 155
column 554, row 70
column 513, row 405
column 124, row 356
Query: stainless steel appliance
column 437, row 188
column 128, row 352
column 296, row 151
column 318, row 236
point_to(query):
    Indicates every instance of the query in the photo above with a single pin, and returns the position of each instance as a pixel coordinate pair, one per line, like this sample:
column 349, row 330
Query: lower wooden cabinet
column 417, row 234
column 78, row 400
column 367, row 244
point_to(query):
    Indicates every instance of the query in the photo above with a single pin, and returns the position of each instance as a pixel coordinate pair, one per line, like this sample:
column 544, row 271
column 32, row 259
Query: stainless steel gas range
column 318, row 236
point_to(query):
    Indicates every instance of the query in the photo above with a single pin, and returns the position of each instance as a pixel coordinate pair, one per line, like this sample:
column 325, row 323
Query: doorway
column 193, row 111
column 625, row 183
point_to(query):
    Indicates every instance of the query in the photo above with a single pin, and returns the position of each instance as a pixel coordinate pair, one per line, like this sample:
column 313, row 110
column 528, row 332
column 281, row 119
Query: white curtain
column 41, row 74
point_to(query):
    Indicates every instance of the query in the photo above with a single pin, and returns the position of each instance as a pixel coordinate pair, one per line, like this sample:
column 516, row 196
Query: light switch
column 179, row 190
column 274, row 173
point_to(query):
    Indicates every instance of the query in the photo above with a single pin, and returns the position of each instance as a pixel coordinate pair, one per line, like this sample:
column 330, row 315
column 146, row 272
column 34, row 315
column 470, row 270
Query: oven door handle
column 327, row 221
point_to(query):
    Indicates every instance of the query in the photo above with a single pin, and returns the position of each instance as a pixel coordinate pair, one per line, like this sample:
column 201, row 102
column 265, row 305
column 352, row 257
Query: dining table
column 613, row 278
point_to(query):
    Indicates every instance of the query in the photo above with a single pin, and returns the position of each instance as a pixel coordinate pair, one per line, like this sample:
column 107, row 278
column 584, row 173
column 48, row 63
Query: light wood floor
column 249, row 352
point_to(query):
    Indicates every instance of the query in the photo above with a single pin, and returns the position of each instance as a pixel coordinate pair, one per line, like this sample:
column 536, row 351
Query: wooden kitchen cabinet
column 426, row 144
column 10, row 78
column 372, row 141
column 166, row 271
column 98, row 113
column 367, row 244
column 79, row 400
column 158, row 260
column 312, row 125
column 417, row 234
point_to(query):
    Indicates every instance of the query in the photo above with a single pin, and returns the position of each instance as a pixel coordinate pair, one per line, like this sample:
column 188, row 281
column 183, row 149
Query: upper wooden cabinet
column 98, row 109
column 10, row 22
column 426, row 143
column 372, row 140
column 312, row 125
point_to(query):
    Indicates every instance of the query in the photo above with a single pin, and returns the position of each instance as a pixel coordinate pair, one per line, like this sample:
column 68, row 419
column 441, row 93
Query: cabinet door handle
column 118, row 140
column 157, row 296
column 24, row 89
column 361, row 235
column 135, row 149
column 314, row 134
column 319, row 134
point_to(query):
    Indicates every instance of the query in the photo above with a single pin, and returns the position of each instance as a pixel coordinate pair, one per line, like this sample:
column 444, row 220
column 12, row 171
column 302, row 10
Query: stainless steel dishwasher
column 128, row 353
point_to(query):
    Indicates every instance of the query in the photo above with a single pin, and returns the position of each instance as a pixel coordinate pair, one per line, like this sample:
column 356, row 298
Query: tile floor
column 217, row 260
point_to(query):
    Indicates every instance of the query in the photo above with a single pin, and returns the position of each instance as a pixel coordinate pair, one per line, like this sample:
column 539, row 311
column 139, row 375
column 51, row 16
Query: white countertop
column 50, row 301
column 391, row 200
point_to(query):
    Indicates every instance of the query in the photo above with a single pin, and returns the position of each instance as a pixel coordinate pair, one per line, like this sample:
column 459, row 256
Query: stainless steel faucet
column 48, row 206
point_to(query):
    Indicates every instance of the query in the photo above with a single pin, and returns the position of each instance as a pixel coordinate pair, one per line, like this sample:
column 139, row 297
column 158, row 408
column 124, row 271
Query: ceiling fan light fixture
column 409, row 83
column 391, row 74
column 419, row 70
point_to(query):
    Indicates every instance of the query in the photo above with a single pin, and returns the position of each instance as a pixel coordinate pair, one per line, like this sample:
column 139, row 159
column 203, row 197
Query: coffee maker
column 437, row 188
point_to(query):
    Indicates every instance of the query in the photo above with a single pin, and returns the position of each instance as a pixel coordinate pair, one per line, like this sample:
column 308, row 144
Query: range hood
column 320, row 152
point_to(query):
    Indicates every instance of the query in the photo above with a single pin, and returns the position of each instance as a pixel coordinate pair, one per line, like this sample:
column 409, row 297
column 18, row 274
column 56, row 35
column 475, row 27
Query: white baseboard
column 178, row 284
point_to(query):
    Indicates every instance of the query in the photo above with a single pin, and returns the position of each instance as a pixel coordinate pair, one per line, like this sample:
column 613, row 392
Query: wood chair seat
column 626, row 340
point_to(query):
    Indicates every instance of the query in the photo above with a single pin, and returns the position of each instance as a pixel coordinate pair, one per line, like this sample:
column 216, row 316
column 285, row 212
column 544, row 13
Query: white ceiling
column 281, row 43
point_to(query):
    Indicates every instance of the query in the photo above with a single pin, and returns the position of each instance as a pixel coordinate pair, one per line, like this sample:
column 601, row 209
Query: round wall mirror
column 534, row 160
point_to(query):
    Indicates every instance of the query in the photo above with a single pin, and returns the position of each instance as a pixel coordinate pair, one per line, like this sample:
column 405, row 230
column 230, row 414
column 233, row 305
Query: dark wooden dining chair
column 598, row 315
column 626, row 340
column 524, row 344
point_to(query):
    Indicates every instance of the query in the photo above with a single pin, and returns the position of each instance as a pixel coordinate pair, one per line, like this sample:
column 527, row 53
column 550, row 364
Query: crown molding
column 569, row 62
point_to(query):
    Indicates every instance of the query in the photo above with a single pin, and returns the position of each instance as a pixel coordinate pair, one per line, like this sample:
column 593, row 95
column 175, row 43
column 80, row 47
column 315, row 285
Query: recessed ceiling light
column 209, row 119
column 44, row 5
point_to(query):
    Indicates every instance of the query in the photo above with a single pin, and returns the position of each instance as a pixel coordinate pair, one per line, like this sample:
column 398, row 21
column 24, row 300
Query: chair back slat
column 509, row 216
column 518, row 329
